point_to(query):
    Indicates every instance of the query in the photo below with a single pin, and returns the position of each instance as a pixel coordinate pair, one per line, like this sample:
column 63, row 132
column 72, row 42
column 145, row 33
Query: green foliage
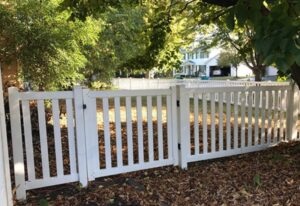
column 48, row 47
column 83, row 8
column 277, row 34
column 122, row 38
column 100, row 85
column 229, row 57
column 43, row 202
column 257, row 180
column 282, row 79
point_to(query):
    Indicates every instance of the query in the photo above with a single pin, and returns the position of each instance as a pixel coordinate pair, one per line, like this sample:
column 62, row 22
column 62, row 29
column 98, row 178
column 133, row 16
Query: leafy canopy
column 47, row 45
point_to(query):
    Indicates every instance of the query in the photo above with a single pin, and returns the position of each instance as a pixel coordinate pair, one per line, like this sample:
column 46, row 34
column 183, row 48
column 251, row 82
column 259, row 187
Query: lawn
column 270, row 177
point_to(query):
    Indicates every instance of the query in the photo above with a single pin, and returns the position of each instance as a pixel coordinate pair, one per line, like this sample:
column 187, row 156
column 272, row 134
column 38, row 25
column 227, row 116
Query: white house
column 204, row 63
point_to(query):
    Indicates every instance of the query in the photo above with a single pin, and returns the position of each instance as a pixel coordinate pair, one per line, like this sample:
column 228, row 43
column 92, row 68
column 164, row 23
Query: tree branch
column 186, row 5
column 226, row 3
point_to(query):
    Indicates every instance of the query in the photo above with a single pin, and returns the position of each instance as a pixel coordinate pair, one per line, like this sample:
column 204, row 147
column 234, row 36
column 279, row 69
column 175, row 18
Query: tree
column 276, row 29
column 121, row 39
column 241, row 40
column 158, row 37
column 46, row 44
column 214, row 30
column 230, row 57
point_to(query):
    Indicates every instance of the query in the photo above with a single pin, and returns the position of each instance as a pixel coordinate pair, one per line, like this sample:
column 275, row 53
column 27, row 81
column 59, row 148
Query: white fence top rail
column 122, row 93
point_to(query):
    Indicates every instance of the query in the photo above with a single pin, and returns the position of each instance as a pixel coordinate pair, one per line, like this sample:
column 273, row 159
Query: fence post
column 175, row 122
column 183, row 126
column 16, row 135
column 80, row 135
column 5, row 189
column 292, row 112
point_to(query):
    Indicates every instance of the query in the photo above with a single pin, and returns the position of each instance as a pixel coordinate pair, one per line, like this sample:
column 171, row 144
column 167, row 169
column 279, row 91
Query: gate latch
column 178, row 103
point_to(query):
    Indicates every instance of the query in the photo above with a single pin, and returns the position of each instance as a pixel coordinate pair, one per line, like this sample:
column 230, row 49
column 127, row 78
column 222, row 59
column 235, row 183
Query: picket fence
column 142, row 83
column 113, row 132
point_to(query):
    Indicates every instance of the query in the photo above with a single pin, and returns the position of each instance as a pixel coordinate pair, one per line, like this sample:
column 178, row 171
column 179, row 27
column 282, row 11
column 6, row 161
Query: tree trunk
column 295, row 73
column 258, row 75
column 259, row 71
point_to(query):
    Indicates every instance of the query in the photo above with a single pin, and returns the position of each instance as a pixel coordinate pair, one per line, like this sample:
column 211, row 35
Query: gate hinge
column 178, row 103
column 84, row 106
column 179, row 146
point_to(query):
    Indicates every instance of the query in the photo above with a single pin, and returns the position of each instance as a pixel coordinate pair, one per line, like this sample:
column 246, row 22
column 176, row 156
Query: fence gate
column 128, row 131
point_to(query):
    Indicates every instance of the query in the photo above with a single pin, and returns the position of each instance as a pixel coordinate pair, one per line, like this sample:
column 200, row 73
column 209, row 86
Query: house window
column 201, row 55
column 202, row 69
column 206, row 54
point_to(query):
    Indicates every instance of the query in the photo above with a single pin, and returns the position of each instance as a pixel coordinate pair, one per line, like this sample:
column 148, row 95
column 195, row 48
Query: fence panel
column 229, row 121
column 133, row 130
column 44, row 138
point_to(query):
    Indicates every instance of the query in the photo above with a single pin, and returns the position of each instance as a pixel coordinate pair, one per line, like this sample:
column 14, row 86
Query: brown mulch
column 270, row 177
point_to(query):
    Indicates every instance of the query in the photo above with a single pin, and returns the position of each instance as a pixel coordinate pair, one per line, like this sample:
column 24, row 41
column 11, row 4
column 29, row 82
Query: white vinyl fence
column 245, row 128
column 142, row 83
column 137, row 142
column 44, row 178
column 82, row 134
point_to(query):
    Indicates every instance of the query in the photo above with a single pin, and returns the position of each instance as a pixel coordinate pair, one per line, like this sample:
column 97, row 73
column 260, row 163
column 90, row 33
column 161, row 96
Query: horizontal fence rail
column 80, row 135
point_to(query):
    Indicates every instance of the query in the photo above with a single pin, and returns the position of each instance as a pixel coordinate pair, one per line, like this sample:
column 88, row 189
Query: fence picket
column 129, row 131
column 213, row 126
column 282, row 103
column 270, row 104
column 150, row 129
column 263, row 118
column 118, row 131
column 228, row 126
column 221, row 145
column 236, row 113
column 250, row 102
column 57, row 138
column 243, row 117
column 204, row 120
column 256, row 116
column 106, row 133
column 276, row 104
column 140, row 129
column 196, row 123
column 71, row 136
column 28, row 140
column 159, row 128
column 43, row 139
